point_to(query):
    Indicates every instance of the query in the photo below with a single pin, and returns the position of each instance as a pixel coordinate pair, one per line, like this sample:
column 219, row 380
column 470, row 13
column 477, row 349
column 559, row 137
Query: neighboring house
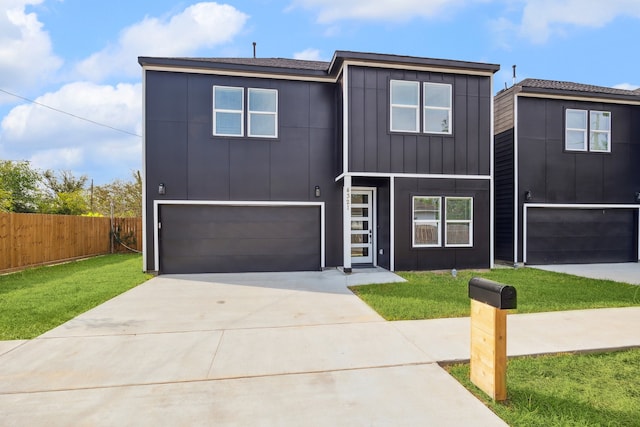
column 263, row 164
column 567, row 177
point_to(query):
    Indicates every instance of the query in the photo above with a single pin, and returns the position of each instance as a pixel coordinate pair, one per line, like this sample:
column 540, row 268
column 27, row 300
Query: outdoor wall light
column 162, row 189
column 527, row 195
column 317, row 191
column 638, row 196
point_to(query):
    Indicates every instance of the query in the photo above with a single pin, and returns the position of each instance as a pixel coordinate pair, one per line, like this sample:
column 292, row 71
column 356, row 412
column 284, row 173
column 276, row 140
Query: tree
column 67, row 195
column 126, row 197
column 19, row 187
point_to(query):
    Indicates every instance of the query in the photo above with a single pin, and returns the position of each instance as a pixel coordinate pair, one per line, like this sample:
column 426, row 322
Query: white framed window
column 437, row 108
column 228, row 111
column 426, row 221
column 582, row 126
column 263, row 113
column 405, row 101
column 600, row 131
column 459, row 221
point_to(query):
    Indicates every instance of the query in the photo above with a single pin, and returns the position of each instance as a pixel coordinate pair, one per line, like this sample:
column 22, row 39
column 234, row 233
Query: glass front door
column 361, row 226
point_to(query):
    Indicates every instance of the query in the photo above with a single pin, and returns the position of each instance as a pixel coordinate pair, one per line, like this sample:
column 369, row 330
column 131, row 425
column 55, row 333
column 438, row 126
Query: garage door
column 206, row 238
column 579, row 236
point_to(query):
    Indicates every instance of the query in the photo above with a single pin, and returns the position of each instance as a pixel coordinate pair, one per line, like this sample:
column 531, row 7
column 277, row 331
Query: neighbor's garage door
column 206, row 238
column 579, row 236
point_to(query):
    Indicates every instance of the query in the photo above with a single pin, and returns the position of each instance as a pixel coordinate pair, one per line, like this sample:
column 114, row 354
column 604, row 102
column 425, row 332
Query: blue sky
column 80, row 56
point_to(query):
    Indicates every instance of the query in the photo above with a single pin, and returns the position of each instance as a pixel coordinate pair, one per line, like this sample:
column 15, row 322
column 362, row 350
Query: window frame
column 415, row 222
column 393, row 106
column 458, row 221
column 598, row 131
column 222, row 110
column 250, row 113
column 426, row 108
column 587, row 132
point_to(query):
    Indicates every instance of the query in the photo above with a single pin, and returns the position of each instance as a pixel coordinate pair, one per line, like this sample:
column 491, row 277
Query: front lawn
column 567, row 390
column 36, row 300
column 429, row 295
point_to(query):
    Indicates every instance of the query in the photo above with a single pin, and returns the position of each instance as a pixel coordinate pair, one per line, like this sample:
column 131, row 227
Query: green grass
column 36, row 300
column 429, row 295
column 567, row 390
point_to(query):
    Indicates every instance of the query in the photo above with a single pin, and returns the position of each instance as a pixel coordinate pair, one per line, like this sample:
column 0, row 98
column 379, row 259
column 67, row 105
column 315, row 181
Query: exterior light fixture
column 527, row 195
column 638, row 196
column 162, row 189
column 317, row 191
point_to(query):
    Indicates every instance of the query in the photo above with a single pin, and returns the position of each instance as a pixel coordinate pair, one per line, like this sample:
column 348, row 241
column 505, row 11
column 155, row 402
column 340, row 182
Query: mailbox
column 492, row 293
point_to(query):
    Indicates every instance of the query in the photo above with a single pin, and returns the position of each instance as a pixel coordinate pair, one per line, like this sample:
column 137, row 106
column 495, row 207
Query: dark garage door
column 205, row 238
column 579, row 236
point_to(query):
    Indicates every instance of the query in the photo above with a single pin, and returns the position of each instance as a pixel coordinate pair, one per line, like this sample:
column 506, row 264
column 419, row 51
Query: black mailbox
column 493, row 293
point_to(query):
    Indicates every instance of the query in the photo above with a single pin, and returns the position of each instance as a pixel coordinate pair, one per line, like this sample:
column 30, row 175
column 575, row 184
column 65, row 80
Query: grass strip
column 431, row 295
column 36, row 300
column 567, row 390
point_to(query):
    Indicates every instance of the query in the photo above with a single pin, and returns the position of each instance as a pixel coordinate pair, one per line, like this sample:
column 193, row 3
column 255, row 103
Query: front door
column 362, row 226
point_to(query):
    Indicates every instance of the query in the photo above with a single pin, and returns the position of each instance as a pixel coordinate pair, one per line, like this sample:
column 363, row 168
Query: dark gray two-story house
column 567, row 173
column 262, row 164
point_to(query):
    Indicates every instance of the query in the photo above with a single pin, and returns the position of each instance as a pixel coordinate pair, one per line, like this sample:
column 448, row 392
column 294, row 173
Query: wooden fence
column 28, row 240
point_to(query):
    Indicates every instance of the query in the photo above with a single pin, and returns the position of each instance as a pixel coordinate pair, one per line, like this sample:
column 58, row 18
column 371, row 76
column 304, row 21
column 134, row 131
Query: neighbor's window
column 594, row 124
column 426, row 221
column 405, row 101
column 228, row 111
column 600, row 131
column 263, row 113
column 459, row 221
column 437, row 108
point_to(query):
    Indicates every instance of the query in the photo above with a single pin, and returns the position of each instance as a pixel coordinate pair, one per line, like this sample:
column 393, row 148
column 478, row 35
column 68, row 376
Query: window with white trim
column 426, row 221
column 459, row 221
column 582, row 126
column 430, row 224
column 228, row 111
column 263, row 113
column 229, row 119
column 405, row 101
column 437, row 108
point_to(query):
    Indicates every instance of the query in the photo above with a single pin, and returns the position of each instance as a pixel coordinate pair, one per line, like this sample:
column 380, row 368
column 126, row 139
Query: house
column 270, row 164
column 567, row 180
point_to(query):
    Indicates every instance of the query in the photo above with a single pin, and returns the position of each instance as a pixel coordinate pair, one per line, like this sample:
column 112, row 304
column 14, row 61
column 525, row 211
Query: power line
column 70, row 114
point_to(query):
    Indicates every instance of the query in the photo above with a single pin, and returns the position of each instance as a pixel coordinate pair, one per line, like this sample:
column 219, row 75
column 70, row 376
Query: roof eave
column 577, row 94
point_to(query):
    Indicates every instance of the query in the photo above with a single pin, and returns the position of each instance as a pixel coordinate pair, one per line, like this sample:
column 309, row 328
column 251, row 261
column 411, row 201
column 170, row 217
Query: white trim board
column 157, row 203
column 411, row 175
column 527, row 206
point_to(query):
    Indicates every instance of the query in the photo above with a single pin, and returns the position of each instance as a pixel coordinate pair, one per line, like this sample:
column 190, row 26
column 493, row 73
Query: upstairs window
column 437, row 108
column 229, row 118
column 263, row 113
column 405, row 101
column 228, row 111
column 583, row 124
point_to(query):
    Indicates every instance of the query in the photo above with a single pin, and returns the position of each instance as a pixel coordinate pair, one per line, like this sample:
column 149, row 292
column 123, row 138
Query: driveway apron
column 269, row 349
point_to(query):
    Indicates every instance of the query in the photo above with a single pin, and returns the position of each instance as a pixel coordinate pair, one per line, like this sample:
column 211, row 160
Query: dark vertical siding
column 373, row 148
column 182, row 152
column 409, row 258
column 504, row 187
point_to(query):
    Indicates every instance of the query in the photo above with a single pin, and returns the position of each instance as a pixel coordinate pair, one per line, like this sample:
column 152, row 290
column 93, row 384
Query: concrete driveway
column 618, row 272
column 234, row 350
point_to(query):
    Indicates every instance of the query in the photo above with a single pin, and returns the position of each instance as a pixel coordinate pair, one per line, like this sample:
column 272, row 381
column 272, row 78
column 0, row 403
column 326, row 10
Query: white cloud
column 541, row 19
column 26, row 56
column 202, row 25
column 626, row 86
column 385, row 10
column 52, row 140
column 308, row 54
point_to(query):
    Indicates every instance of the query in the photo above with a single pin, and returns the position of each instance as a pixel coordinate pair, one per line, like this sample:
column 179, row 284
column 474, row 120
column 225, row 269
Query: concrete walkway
column 268, row 350
column 626, row 272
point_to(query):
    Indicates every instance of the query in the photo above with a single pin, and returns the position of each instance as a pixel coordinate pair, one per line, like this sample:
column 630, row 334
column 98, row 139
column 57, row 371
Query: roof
column 314, row 68
column 562, row 88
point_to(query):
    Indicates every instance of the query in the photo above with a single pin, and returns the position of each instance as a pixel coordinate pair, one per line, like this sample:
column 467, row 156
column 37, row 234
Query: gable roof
column 570, row 89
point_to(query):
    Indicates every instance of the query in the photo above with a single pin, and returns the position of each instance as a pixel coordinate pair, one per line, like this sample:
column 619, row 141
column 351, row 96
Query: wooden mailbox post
column 489, row 304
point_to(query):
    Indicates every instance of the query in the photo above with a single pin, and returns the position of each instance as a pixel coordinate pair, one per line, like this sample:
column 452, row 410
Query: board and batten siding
column 373, row 148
